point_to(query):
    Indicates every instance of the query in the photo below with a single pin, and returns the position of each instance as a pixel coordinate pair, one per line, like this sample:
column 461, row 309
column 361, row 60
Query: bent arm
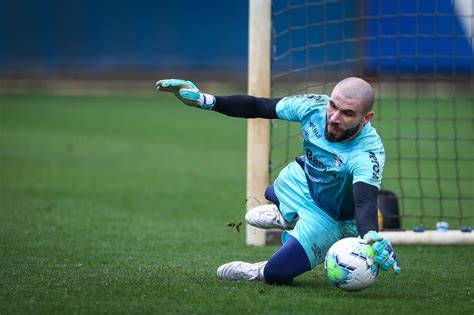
column 365, row 198
column 245, row 106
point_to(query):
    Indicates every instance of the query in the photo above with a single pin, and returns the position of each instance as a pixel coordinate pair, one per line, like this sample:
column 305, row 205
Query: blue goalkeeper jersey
column 331, row 168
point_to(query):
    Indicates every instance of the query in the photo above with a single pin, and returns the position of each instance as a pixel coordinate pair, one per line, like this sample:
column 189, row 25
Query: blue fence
column 110, row 35
column 51, row 36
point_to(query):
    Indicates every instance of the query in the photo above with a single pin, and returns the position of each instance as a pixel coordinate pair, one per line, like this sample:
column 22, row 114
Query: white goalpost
column 258, row 130
column 392, row 90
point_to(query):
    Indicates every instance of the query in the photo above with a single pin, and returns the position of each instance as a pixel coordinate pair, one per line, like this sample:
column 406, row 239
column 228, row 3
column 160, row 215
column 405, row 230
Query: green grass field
column 120, row 205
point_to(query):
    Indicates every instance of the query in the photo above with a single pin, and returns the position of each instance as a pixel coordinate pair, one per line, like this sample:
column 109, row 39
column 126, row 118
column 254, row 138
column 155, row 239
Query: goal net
column 418, row 56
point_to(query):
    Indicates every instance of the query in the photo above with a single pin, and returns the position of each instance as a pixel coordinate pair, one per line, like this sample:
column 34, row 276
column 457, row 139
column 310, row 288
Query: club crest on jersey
column 337, row 161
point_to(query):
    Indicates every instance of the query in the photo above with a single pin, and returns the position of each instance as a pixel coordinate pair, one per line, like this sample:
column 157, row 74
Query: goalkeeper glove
column 187, row 92
column 385, row 256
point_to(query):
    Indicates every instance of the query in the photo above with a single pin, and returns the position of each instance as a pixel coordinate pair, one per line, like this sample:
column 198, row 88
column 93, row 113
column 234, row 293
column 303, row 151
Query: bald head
column 349, row 109
column 357, row 89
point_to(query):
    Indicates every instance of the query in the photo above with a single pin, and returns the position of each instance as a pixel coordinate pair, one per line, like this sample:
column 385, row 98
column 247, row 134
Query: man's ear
column 368, row 117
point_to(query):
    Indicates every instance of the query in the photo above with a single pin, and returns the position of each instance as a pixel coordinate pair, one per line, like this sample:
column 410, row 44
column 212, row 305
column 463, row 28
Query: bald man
column 325, row 195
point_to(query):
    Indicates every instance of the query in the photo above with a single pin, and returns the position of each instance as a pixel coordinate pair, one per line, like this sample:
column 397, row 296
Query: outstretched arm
column 236, row 106
column 246, row 106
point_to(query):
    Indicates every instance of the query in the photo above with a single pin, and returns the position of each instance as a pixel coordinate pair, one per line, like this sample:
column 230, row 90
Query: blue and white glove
column 385, row 256
column 187, row 92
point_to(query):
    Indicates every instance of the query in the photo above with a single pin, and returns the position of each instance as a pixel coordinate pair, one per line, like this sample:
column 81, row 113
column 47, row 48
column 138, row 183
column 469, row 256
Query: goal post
column 258, row 130
column 453, row 237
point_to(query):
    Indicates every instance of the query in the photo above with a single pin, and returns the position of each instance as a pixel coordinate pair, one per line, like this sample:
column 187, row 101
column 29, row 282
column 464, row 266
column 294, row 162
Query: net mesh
column 418, row 56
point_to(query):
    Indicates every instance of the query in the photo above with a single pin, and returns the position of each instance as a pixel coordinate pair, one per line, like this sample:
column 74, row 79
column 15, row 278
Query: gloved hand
column 385, row 256
column 187, row 92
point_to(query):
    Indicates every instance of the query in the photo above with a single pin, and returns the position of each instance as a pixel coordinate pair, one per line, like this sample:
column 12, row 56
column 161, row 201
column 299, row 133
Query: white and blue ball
column 347, row 265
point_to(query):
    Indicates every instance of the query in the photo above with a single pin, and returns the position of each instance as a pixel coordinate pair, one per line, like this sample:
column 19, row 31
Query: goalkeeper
column 325, row 195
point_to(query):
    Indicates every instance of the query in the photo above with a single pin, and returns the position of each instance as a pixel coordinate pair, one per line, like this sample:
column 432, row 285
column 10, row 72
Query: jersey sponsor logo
column 315, row 130
column 375, row 166
column 313, row 96
column 314, row 160
column 311, row 158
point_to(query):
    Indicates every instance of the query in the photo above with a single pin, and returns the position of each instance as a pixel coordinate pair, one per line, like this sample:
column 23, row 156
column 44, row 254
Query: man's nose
column 336, row 117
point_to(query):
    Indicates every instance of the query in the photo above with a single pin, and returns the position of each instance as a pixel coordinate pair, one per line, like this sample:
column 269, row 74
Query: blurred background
column 53, row 43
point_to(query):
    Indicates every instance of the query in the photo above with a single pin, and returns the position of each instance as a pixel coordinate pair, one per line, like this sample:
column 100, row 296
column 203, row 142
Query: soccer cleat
column 240, row 270
column 267, row 217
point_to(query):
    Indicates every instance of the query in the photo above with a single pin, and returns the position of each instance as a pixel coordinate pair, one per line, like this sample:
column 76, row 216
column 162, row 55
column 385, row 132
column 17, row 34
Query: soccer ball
column 346, row 264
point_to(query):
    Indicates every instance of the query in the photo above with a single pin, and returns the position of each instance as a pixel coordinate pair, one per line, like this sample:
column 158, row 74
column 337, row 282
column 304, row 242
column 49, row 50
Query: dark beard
column 344, row 136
